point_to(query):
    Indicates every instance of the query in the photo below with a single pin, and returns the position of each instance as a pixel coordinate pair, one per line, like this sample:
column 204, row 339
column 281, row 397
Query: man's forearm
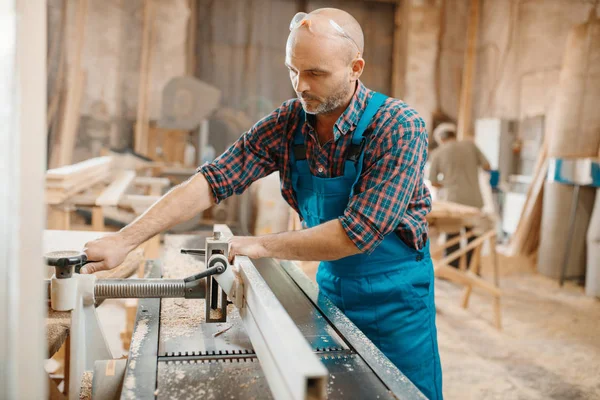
column 324, row 242
column 180, row 204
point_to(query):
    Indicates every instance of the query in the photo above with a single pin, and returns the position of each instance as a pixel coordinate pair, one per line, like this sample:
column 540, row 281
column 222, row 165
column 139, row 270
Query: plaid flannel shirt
column 390, row 194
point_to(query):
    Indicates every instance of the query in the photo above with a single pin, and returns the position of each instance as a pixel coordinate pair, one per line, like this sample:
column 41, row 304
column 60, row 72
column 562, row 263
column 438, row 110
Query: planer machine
column 257, row 329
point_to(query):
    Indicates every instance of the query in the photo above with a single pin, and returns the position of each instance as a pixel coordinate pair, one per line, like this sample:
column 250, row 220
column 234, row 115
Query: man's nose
column 301, row 85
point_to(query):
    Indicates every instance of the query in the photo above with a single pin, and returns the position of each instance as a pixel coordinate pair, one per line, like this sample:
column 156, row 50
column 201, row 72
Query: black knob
column 64, row 258
column 65, row 262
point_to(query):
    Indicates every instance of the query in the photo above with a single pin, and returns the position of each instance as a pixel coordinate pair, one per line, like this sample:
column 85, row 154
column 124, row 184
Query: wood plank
column 451, row 257
column 98, row 219
column 399, row 48
column 57, row 197
column 151, row 181
column 466, row 278
column 115, row 191
column 141, row 127
column 276, row 339
column 191, row 38
column 67, row 171
column 465, row 118
column 74, row 93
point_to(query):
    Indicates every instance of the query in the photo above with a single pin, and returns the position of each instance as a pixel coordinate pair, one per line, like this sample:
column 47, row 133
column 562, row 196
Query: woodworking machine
column 266, row 333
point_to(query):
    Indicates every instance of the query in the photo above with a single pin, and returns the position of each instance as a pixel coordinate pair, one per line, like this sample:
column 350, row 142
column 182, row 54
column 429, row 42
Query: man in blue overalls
column 351, row 164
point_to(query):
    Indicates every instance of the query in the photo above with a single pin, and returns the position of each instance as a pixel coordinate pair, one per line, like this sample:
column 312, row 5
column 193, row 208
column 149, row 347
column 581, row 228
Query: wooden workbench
column 448, row 217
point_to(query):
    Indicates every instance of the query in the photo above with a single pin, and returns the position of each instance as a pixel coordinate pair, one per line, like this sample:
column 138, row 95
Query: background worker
column 454, row 169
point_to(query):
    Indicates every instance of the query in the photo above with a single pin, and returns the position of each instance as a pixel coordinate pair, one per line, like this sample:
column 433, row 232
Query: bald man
column 351, row 162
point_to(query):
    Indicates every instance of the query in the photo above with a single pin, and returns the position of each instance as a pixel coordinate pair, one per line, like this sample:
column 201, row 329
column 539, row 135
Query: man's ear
column 358, row 65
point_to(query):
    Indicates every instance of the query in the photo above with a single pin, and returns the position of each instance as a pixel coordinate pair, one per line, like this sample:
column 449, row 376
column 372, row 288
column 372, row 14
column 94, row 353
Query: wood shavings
column 222, row 331
column 85, row 393
column 58, row 324
column 138, row 336
column 180, row 317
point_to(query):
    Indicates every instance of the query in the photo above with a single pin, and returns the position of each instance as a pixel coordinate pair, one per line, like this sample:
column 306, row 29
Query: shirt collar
column 351, row 114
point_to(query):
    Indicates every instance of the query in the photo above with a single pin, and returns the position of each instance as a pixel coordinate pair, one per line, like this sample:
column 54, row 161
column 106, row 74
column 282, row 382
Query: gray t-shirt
column 455, row 165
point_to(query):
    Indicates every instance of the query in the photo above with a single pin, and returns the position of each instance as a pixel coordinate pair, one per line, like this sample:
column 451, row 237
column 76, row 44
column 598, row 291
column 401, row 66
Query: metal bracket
column 88, row 343
column 216, row 298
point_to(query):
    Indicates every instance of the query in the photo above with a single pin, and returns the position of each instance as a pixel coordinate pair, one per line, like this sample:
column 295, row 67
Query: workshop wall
column 111, row 61
column 241, row 48
column 520, row 48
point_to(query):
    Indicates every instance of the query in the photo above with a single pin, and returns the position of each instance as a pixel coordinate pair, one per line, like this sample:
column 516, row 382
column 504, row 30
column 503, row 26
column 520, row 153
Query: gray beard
column 329, row 105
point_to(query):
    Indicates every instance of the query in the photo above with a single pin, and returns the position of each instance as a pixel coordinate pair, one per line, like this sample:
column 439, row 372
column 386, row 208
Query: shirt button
column 321, row 169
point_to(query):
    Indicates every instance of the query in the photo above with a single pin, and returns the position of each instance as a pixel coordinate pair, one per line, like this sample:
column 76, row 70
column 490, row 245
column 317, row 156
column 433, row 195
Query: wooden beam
column 451, row 257
column 399, row 48
column 142, row 122
column 151, row 181
column 465, row 118
column 451, row 242
column 113, row 193
column 276, row 339
column 191, row 37
column 466, row 278
column 98, row 219
column 63, row 152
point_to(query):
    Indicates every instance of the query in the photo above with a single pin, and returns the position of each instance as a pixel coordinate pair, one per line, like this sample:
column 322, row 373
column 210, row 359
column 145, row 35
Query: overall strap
column 373, row 106
column 298, row 152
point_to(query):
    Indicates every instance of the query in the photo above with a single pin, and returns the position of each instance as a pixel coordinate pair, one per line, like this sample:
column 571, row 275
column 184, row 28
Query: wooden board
column 115, row 191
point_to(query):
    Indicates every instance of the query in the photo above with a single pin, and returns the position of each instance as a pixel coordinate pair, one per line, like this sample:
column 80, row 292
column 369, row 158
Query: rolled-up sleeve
column 253, row 156
column 392, row 168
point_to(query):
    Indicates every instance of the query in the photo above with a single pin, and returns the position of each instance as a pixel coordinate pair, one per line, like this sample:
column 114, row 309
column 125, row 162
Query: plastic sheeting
column 573, row 131
column 592, row 282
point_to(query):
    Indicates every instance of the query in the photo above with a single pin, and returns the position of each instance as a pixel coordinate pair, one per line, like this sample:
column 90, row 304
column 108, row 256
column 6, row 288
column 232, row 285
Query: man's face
column 320, row 72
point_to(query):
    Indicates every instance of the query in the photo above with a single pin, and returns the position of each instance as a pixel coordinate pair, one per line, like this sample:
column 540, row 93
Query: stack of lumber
column 448, row 209
column 64, row 182
column 526, row 239
column 447, row 216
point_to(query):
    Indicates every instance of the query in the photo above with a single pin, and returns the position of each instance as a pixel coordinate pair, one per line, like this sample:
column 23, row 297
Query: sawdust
column 58, row 324
column 134, row 350
column 129, row 387
column 549, row 347
column 138, row 337
column 175, row 264
column 63, row 253
column 85, row 393
column 180, row 317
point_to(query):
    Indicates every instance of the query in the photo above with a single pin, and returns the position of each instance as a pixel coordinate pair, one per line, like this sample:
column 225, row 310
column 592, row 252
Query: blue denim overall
column 389, row 294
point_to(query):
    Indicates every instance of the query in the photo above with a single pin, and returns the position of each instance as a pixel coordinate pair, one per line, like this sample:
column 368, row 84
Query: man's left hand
column 249, row 246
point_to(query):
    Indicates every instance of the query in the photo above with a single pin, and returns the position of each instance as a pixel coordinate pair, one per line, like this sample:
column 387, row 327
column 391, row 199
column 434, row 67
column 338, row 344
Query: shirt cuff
column 217, row 181
column 360, row 231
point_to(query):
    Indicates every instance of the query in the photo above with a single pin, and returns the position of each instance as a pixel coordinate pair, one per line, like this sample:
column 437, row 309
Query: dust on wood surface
column 58, row 324
column 180, row 317
column 85, row 392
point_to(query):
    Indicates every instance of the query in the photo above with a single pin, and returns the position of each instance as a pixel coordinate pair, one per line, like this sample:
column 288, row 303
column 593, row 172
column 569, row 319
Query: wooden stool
column 469, row 275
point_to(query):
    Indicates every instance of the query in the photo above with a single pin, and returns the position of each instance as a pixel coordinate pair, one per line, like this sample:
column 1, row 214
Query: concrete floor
column 549, row 347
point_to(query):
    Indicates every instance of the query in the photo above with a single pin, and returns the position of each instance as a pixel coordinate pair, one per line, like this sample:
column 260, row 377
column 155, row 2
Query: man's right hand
column 106, row 252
